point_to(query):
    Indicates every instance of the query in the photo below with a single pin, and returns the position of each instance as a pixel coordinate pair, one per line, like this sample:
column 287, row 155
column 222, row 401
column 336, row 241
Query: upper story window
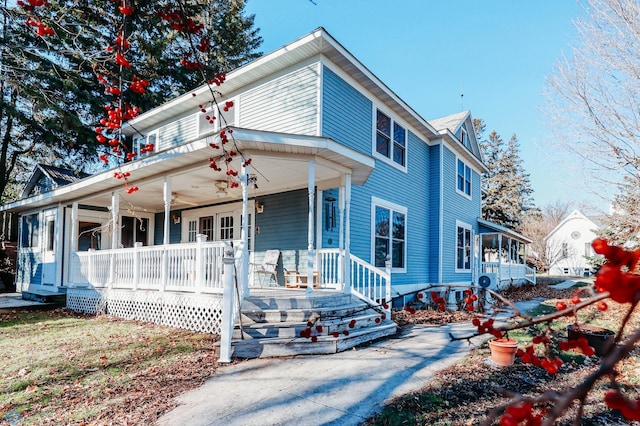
column 464, row 178
column 389, row 234
column 391, row 139
column 143, row 145
column 464, row 137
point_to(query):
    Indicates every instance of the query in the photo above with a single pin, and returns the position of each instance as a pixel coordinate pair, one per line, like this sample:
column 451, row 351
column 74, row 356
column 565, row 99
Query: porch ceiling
column 280, row 163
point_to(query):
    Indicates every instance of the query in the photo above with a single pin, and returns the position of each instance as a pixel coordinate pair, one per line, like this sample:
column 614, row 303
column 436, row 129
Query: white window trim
column 138, row 142
column 235, row 208
column 207, row 128
column 376, row 154
column 379, row 202
column 464, row 225
column 464, row 194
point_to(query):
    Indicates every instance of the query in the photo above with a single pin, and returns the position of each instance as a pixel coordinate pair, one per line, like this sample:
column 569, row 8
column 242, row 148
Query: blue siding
column 346, row 113
column 175, row 229
column 284, row 226
column 434, row 213
column 456, row 207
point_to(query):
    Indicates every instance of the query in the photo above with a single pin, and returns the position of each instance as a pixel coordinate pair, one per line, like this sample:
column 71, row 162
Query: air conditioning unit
column 489, row 281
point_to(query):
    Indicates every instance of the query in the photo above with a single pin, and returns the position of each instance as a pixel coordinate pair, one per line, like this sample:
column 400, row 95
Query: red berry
column 602, row 306
column 561, row 306
column 575, row 300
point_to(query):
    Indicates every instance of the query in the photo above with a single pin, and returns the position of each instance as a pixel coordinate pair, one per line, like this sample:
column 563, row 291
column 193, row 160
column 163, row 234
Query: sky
column 497, row 53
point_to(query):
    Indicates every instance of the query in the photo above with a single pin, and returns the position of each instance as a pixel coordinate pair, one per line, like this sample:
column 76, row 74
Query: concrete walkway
column 10, row 301
column 339, row 389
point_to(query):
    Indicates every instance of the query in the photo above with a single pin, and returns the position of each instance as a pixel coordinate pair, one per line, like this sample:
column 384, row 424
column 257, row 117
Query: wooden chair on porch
column 268, row 267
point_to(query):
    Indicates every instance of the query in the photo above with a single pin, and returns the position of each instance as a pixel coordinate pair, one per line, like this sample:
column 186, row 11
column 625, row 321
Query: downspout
column 441, row 214
column 347, row 234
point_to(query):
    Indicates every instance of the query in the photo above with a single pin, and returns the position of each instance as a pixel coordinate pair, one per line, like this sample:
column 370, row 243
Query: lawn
column 57, row 367
column 464, row 393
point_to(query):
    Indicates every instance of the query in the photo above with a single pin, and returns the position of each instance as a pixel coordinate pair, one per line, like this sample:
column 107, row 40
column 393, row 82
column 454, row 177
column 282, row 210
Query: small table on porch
column 293, row 279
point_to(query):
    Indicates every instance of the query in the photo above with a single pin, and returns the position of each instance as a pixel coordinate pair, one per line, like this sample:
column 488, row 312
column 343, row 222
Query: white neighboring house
column 571, row 241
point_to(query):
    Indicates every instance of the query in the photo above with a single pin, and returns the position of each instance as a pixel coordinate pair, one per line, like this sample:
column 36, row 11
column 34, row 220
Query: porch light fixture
column 175, row 218
column 259, row 206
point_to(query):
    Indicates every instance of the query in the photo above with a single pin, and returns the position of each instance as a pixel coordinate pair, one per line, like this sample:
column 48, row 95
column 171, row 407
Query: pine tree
column 506, row 187
column 622, row 226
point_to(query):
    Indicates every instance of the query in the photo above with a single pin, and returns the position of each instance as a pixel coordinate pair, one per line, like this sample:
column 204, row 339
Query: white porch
column 502, row 256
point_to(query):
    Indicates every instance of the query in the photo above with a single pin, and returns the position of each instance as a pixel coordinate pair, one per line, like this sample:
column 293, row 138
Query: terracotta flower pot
column 598, row 338
column 503, row 351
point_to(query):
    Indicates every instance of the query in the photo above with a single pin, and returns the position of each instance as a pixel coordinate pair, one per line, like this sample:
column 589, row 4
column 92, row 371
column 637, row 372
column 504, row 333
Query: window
column 134, row 230
column 30, row 231
column 144, row 145
column 89, row 236
column 390, row 144
column 588, row 250
column 565, row 250
column 464, row 137
column 464, row 178
column 463, row 247
column 51, row 234
column 389, row 234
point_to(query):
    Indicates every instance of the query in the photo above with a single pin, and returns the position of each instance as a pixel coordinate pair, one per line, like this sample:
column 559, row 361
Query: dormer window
column 464, row 137
column 391, row 139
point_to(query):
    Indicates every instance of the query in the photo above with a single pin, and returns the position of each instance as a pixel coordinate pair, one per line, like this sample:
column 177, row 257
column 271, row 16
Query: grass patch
column 65, row 368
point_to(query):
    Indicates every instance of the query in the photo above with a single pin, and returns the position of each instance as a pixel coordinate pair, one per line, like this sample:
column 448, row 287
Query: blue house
column 348, row 188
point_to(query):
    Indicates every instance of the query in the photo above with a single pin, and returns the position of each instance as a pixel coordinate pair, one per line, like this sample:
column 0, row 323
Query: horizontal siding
column 457, row 208
column 177, row 132
column 284, row 226
column 175, row 229
column 347, row 114
column 410, row 190
column 287, row 104
column 434, row 217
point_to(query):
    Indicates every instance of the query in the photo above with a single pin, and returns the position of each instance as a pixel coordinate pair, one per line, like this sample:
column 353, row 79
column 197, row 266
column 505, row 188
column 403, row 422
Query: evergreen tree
column 50, row 98
column 506, row 187
column 622, row 226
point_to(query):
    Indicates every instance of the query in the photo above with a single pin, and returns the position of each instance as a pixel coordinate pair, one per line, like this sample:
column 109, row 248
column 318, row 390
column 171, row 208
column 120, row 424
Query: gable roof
column 451, row 122
column 572, row 216
column 449, row 127
column 47, row 178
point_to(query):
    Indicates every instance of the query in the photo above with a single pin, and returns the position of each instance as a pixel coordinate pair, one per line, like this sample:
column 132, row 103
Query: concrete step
column 277, row 347
column 294, row 301
column 42, row 296
column 262, row 330
column 302, row 315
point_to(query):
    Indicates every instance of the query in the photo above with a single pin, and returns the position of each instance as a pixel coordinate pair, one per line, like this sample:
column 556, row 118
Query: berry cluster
column 617, row 275
column 438, row 300
column 582, row 344
column 520, row 413
column 469, row 299
column 549, row 363
column 629, row 408
column 486, row 327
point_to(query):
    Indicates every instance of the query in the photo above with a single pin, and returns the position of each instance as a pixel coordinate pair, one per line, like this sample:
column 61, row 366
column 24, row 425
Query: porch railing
column 506, row 271
column 192, row 267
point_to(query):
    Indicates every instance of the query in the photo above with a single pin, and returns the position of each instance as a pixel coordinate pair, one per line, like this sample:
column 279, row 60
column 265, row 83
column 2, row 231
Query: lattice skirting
column 196, row 312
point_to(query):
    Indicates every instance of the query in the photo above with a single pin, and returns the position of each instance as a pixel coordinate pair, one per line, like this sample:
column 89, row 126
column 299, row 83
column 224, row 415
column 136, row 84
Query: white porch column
column 244, row 231
column 73, row 243
column 341, row 203
column 310, row 255
column 499, row 260
column 347, row 234
column 115, row 235
column 166, row 193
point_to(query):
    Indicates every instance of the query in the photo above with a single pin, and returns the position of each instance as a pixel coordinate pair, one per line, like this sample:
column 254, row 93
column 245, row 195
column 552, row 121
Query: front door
column 49, row 265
